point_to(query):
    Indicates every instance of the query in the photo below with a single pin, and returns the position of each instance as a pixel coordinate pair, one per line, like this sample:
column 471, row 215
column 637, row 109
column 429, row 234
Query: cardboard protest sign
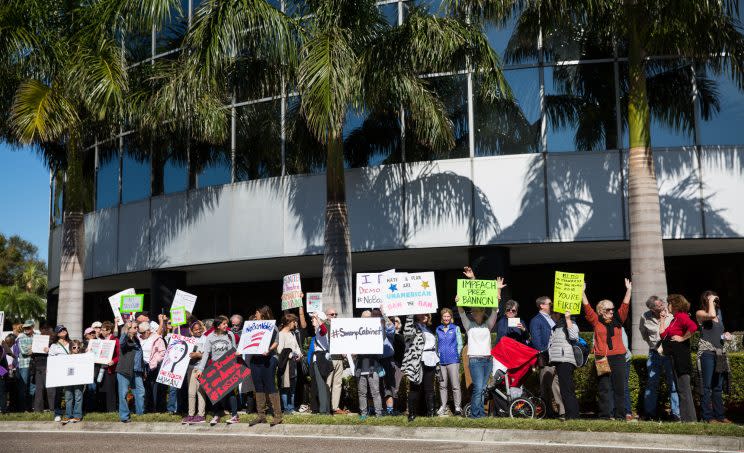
column 185, row 300
column 409, row 294
column 102, row 350
column 176, row 361
column 356, row 336
column 477, row 293
column 69, row 369
column 567, row 293
column 39, row 343
column 291, row 292
column 115, row 302
column 368, row 291
column 222, row 376
column 255, row 338
column 132, row 303
column 178, row 316
column 314, row 302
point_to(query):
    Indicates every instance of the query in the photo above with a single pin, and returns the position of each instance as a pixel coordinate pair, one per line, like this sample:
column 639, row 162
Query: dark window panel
column 258, row 141
column 107, row 179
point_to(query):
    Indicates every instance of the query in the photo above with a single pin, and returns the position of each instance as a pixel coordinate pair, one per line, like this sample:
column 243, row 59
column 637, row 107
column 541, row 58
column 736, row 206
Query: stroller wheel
column 521, row 408
column 540, row 408
column 466, row 411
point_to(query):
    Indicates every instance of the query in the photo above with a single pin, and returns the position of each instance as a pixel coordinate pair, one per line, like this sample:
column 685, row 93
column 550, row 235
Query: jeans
column 288, row 394
column 74, row 401
column 218, row 408
column 655, row 364
column 627, row 404
column 172, row 400
column 137, row 384
column 23, row 381
column 263, row 373
column 611, row 388
column 480, row 371
column 711, row 399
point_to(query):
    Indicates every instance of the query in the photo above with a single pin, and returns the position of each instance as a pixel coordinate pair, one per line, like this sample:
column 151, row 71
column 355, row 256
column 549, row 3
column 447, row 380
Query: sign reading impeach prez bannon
column 409, row 294
column 477, row 293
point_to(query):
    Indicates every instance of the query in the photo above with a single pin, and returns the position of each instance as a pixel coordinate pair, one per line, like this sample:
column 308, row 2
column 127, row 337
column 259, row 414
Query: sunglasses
column 332, row 314
column 609, row 310
column 511, row 310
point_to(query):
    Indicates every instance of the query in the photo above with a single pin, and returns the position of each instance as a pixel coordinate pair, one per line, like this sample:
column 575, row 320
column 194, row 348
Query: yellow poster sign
column 567, row 292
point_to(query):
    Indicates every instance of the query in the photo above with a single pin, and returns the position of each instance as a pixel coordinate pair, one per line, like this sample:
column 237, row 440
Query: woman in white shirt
column 290, row 355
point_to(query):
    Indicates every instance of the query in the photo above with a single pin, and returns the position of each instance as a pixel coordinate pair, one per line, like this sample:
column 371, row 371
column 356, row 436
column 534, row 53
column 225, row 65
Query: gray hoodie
column 559, row 347
column 216, row 346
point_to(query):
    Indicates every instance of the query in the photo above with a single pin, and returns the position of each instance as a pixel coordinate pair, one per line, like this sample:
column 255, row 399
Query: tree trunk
column 70, row 305
column 337, row 292
column 646, row 247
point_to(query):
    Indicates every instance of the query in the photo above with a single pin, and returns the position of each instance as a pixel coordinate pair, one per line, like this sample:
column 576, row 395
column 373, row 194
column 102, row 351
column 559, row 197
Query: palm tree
column 71, row 84
column 20, row 305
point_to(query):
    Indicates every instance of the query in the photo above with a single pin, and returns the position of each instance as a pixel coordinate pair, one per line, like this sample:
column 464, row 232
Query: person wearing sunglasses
column 334, row 380
column 541, row 328
column 510, row 325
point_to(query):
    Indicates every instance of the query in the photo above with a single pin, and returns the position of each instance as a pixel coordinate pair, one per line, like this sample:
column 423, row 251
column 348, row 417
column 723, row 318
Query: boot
column 260, row 409
column 430, row 411
column 276, row 404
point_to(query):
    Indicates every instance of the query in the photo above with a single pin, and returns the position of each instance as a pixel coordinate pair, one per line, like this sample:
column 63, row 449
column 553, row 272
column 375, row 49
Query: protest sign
column 115, row 302
column 567, row 293
column 2, row 320
column 132, row 303
column 69, row 369
column 176, row 361
column 291, row 292
column 39, row 343
column 356, row 336
column 102, row 350
column 255, row 338
column 222, row 376
column 477, row 293
column 314, row 302
column 178, row 316
column 185, row 300
column 512, row 322
column 409, row 294
column 368, row 291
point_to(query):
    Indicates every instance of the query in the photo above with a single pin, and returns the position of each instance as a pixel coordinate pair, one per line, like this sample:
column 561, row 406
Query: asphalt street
column 80, row 442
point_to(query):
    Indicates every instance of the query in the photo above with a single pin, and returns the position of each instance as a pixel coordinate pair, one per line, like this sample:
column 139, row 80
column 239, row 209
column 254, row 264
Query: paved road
column 81, row 442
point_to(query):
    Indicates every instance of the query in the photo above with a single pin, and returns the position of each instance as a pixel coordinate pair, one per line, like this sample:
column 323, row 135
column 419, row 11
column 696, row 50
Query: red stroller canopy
column 516, row 357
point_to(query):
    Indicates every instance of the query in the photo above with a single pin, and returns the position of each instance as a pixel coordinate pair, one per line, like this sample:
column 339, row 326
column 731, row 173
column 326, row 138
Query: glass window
column 258, row 141
column 580, row 107
column 371, row 139
column 722, row 127
column 576, row 41
column 304, row 154
column 138, row 46
column 169, row 166
column 513, row 46
column 57, row 197
column 509, row 127
column 212, row 163
column 107, row 179
column 390, row 13
column 169, row 35
column 135, row 169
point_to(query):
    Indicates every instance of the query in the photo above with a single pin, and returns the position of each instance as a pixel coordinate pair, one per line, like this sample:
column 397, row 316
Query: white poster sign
column 176, row 362
column 102, row 350
column 255, row 337
column 291, row 292
column 356, row 336
column 368, row 292
column 185, row 300
column 39, row 343
column 115, row 302
column 512, row 322
column 314, row 302
column 2, row 320
column 69, row 369
column 409, row 294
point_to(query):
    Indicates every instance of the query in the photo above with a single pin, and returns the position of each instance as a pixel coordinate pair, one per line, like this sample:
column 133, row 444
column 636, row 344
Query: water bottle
column 99, row 379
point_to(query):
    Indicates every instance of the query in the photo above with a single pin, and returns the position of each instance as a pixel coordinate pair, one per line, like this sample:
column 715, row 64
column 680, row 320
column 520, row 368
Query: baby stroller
column 504, row 393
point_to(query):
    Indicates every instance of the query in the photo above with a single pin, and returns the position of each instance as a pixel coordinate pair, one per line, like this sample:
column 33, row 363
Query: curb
column 468, row 435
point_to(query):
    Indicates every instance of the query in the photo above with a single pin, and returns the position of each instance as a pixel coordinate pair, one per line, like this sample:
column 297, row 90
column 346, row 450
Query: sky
column 24, row 196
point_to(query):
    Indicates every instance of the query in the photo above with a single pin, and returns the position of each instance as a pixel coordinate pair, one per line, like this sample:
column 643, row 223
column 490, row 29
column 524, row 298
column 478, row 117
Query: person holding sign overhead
column 479, row 330
column 609, row 351
column 129, row 371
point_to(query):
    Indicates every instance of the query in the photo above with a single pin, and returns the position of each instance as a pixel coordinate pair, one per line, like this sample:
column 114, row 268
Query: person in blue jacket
column 516, row 332
column 449, row 342
column 541, row 327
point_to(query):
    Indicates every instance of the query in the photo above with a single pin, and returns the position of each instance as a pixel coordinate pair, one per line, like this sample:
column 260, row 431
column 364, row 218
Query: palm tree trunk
column 337, row 252
column 70, row 304
column 646, row 247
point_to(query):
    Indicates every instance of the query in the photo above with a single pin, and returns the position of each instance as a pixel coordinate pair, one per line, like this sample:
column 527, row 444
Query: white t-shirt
column 479, row 341
column 429, row 356
column 147, row 347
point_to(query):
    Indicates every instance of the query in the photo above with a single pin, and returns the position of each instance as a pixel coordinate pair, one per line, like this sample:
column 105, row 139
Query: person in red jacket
column 608, row 344
column 675, row 332
column 108, row 385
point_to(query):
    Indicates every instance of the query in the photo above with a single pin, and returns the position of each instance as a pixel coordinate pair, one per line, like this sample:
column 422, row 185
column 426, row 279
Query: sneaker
column 233, row 419
column 126, row 421
column 362, row 417
column 304, row 408
column 458, row 411
column 214, row 420
column 197, row 420
column 340, row 412
column 74, row 420
column 442, row 412
column 57, row 418
column 187, row 420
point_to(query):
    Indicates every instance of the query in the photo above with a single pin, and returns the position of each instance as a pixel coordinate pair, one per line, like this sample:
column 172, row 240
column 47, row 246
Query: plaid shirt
column 24, row 345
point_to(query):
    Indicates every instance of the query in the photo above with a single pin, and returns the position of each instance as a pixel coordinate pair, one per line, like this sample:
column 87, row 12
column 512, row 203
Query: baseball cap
column 59, row 328
column 89, row 330
column 96, row 324
column 322, row 316
column 28, row 323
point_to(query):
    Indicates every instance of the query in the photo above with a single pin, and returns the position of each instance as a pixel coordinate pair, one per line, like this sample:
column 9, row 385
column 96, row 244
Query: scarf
column 610, row 328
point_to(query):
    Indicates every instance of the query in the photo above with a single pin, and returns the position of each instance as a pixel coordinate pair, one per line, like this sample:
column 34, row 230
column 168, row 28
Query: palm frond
column 39, row 112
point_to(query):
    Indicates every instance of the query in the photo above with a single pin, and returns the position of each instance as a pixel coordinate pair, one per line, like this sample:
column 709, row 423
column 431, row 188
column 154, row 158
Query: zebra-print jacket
column 412, row 365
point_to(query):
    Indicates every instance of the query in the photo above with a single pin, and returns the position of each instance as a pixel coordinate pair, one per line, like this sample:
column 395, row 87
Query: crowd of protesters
column 298, row 374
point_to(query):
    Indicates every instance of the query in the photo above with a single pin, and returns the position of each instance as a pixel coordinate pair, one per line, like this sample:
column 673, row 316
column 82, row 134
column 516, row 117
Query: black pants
column 414, row 390
column 568, row 390
column 228, row 401
column 617, row 365
column 155, row 399
column 107, row 391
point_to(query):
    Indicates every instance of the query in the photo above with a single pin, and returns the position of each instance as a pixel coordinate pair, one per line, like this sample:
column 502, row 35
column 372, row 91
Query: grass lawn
column 698, row 429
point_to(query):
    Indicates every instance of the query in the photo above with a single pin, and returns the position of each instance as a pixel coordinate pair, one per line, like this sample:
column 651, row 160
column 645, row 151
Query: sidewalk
column 467, row 435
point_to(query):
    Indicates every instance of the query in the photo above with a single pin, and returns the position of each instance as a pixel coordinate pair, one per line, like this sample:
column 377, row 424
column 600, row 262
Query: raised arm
column 624, row 309
column 589, row 313
column 303, row 321
column 710, row 314
column 495, row 313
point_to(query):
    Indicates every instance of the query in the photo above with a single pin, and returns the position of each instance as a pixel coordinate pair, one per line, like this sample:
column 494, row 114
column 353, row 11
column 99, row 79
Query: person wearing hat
column 60, row 346
column 25, row 389
column 89, row 396
column 96, row 328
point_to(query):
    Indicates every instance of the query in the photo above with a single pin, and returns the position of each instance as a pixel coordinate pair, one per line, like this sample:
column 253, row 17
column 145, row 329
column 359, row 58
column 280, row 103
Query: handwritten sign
column 185, row 300
column 567, row 292
column 69, row 369
column 291, row 292
column 132, row 303
column 39, row 343
column 314, row 302
column 222, row 376
column 356, row 336
column 477, row 293
column 368, row 290
column 102, row 350
column 256, row 337
column 178, row 316
column 409, row 294
column 176, row 361
column 115, row 302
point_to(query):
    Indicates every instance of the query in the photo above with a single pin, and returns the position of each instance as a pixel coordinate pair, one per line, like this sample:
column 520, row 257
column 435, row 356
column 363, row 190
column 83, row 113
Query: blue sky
column 24, row 196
